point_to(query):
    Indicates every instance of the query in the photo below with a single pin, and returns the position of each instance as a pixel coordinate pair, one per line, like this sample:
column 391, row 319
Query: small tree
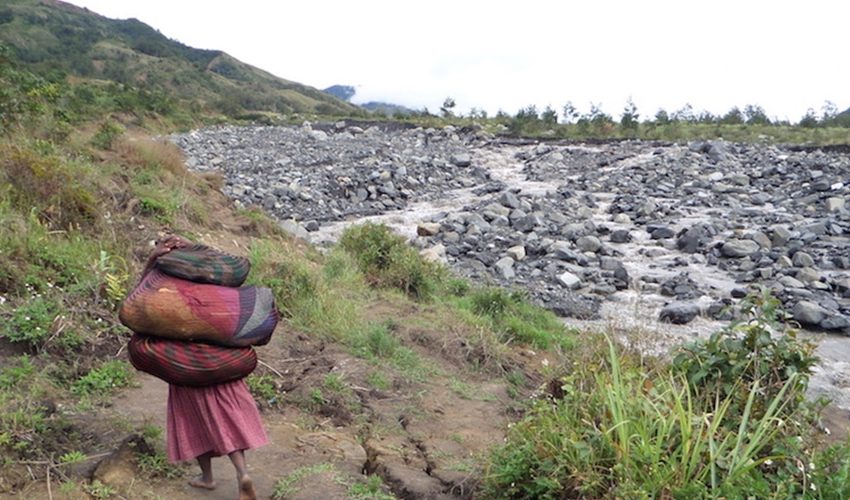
column 733, row 117
column 810, row 119
column 629, row 118
column 571, row 114
column 601, row 121
column 755, row 115
column 549, row 117
column 661, row 117
column 477, row 114
column 447, row 109
column 686, row 114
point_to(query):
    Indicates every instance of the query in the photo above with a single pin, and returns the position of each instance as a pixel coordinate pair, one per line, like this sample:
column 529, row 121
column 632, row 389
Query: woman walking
column 210, row 421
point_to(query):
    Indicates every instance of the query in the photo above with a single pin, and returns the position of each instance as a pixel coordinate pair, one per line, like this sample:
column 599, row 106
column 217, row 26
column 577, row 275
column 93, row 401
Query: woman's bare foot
column 203, row 484
column 246, row 488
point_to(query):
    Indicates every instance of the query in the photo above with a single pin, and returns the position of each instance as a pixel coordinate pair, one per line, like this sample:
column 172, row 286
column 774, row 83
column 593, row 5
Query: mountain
column 51, row 36
column 346, row 92
column 387, row 108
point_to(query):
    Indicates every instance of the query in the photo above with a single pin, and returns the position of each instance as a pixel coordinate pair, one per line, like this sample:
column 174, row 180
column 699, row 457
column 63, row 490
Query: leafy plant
column 72, row 457
column 755, row 349
column 106, row 134
column 103, row 380
column 622, row 426
column 157, row 465
column 31, row 322
column 263, row 388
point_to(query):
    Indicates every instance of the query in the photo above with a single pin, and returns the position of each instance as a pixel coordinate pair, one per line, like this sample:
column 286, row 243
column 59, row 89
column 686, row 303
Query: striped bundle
column 194, row 324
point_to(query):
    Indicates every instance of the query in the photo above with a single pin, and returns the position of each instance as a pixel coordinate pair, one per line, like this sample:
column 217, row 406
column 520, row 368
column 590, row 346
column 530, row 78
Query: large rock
column 461, row 159
column 589, row 244
column 569, row 280
column 505, row 268
column 427, row 228
column 679, row 313
column 809, row 313
column 739, row 248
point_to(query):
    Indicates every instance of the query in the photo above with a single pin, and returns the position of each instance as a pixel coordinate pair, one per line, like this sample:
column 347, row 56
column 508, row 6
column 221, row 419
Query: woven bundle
column 202, row 264
column 169, row 307
column 190, row 363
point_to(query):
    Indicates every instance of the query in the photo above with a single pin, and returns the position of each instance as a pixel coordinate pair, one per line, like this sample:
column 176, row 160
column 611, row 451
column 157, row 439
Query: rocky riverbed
column 663, row 238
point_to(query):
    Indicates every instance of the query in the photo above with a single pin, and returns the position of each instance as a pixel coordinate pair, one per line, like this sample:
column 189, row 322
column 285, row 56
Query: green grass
column 622, row 426
column 288, row 485
column 378, row 344
column 103, row 380
column 514, row 318
column 316, row 301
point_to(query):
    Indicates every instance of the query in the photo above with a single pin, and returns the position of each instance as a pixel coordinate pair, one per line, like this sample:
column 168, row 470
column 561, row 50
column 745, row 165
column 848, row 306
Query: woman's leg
column 246, row 486
column 206, row 480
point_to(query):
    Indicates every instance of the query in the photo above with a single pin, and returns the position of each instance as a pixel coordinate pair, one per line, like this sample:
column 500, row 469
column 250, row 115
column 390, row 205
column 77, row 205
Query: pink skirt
column 216, row 419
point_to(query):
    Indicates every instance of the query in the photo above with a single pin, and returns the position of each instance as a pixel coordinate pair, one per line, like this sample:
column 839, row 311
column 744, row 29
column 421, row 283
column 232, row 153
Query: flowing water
column 632, row 314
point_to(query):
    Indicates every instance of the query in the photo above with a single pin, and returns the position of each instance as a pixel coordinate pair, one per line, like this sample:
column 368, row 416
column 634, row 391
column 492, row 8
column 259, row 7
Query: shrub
column 387, row 261
column 302, row 290
column 754, row 349
column 106, row 135
column 48, row 186
column 622, row 428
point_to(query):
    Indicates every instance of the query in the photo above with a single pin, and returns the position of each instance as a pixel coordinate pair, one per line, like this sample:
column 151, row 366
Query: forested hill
column 57, row 39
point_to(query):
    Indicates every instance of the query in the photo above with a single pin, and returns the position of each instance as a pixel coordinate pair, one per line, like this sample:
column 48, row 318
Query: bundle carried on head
column 189, row 294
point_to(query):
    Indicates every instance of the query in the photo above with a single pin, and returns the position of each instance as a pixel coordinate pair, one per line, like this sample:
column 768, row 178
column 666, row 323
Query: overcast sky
column 785, row 56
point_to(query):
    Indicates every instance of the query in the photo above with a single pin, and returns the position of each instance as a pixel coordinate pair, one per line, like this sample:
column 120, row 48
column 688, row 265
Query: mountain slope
column 50, row 35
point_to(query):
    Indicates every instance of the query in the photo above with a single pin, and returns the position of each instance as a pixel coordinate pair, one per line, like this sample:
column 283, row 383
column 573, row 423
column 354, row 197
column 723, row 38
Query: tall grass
column 387, row 261
column 620, row 428
column 324, row 301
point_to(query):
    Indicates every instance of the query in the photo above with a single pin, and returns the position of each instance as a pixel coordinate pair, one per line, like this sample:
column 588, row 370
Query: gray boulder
column 679, row 313
column 809, row 313
column 739, row 248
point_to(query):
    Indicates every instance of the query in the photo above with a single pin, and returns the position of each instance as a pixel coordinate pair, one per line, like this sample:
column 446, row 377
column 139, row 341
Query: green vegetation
column 103, row 380
column 372, row 489
column 387, row 261
column 263, row 389
column 146, row 71
column 722, row 421
column 515, row 319
column 287, row 486
column 83, row 190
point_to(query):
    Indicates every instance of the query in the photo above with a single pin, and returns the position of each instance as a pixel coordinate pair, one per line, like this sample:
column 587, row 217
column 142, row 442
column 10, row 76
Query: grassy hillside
column 54, row 38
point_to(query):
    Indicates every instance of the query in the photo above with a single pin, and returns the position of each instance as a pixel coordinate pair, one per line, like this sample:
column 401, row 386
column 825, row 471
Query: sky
column 785, row 56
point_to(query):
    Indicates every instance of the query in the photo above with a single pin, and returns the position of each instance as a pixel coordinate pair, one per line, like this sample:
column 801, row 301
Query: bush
column 106, row 135
column 303, row 293
column 621, row 428
column 753, row 350
column 387, row 261
column 48, row 186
